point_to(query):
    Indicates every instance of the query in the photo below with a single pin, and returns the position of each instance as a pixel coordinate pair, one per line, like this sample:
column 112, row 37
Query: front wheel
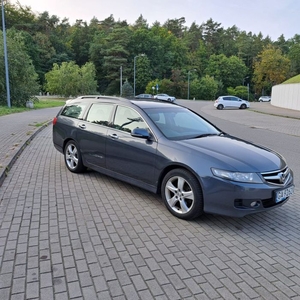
column 73, row 158
column 182, row 194
column 243, row 106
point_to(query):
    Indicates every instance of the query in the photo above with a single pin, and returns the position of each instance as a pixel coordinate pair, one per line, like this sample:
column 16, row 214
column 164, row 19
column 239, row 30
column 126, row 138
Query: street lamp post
column 134, row 62
column 245, row 79
column 5, row 58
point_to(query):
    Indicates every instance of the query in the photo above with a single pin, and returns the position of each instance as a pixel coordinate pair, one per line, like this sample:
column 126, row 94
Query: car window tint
column 100, row 113
column 226, row 98
column 127, row 119
column 74, row 111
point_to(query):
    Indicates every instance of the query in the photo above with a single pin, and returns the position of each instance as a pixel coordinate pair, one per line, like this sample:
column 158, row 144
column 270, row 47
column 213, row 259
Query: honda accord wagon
column 170, row 150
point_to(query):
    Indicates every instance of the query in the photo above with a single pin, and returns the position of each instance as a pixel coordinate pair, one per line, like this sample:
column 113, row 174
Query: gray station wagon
column 170, row 150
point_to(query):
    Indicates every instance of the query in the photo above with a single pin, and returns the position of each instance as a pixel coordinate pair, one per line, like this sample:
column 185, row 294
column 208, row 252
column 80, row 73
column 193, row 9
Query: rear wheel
column 182, row 194
column 73, row 158
column 220, row 106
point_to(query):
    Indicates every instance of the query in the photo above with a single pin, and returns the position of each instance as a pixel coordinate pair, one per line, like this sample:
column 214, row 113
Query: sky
column 270, row 17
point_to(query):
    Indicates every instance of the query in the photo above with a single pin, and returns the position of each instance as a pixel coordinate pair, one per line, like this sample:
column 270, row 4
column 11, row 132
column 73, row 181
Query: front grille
column 277, row 177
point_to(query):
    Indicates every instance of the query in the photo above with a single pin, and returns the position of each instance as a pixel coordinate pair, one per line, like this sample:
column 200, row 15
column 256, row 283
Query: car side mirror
column 141, row 133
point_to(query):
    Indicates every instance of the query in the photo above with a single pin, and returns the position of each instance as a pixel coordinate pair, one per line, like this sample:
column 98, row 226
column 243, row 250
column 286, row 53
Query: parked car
column 144, row 96
column 264, row 99
column 231, row 102
column 165, row 97
column 173, row 151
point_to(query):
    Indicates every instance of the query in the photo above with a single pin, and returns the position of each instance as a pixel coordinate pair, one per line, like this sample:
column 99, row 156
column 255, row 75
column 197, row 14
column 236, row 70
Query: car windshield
column 178, row 123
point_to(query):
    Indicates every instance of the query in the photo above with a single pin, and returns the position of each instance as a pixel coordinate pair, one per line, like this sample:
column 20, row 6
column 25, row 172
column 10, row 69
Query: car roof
column 92, row 98
column 111, row 99
column 152, row 103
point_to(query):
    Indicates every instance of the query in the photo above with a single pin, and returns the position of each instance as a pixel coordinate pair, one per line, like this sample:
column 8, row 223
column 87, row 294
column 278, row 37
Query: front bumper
column 237, row 199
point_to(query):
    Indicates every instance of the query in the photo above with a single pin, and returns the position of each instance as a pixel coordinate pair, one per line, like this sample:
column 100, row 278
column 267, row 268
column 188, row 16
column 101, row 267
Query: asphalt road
column 88, row 236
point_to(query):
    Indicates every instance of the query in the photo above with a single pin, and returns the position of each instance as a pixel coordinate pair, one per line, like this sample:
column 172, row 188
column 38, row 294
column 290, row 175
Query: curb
column 4, row 174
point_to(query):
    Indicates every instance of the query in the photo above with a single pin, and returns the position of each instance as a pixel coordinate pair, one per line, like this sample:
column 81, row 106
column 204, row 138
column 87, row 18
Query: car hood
column 235, row 154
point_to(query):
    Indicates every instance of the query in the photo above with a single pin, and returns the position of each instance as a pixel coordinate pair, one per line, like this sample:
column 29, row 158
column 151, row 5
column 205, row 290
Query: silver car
column 264, row 99
column 170, row 150
column 165, row 97
column 231, row 102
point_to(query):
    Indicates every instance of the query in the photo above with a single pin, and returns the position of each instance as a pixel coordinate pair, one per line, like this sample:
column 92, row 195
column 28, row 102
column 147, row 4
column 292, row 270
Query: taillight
column 54, row 121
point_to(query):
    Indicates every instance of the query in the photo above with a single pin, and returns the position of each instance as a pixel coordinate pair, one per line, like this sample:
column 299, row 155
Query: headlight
column 237, row 176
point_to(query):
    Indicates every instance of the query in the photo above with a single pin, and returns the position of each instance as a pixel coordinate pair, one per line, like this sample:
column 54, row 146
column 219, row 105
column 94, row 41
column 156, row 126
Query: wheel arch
column 66, row 142
column 171, row 167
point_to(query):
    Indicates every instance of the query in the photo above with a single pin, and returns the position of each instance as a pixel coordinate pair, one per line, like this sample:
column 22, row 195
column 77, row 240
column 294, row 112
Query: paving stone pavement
column 88, row 236
column 17, row 130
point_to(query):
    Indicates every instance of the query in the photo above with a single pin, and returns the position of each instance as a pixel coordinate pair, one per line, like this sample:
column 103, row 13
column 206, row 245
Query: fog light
column 254, row 203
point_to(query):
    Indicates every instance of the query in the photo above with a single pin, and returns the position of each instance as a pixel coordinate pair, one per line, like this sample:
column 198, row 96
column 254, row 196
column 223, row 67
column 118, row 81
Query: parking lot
column 87, row 236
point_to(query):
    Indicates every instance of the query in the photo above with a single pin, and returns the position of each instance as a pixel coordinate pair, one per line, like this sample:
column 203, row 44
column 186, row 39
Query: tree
column 88, row 82
column 23, row 79
column 270, row 68
column 205, row 89
column 143, row 75
column 294, row 54
column 230, row 71
column 68, row 79
column 239, row 91
column 127, row 90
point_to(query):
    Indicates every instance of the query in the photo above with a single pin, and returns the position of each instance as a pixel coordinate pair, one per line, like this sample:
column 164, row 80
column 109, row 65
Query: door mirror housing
column 141, row 133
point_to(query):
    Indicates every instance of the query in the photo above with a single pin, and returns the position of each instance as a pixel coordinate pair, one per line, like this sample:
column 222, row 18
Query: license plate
column 284, row 194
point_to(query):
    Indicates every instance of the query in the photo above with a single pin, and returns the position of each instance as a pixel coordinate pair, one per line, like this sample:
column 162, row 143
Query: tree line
column 47, row 54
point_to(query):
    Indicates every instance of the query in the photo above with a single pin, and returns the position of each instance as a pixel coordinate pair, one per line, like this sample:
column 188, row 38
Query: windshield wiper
column 206, row 134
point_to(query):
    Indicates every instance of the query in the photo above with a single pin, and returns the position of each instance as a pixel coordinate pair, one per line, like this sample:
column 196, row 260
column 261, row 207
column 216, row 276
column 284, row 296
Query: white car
column 231, row 102
column 165, row 97
column 264, row 99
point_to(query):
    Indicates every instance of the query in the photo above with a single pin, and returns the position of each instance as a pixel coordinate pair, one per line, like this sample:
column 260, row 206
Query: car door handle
column 82, row 126
column 114, row 136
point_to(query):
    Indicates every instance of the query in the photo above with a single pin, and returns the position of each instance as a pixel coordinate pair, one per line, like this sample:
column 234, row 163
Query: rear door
column 92, row 134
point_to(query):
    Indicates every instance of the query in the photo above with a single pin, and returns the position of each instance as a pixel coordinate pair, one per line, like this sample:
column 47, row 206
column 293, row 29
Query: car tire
column 220, row 106
column 73, row 159
column 182, row 194
column 243, row 106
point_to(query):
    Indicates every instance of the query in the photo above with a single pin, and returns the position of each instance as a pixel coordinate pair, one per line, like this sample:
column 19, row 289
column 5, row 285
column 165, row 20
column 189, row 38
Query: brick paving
column 88, row 236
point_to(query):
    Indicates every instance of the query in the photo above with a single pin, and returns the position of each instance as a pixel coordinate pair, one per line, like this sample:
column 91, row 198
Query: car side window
column 127, row 119
column 100, row 113
column 226, row 98
column 74, row 111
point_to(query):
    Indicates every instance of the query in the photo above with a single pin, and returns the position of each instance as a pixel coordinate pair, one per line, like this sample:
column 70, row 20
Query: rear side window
column 227, row 98
column 74, row 111
column 100, row 113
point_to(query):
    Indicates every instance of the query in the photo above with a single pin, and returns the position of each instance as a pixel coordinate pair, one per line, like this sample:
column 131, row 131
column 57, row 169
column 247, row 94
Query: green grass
column 295, row 79
column 42, row 103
